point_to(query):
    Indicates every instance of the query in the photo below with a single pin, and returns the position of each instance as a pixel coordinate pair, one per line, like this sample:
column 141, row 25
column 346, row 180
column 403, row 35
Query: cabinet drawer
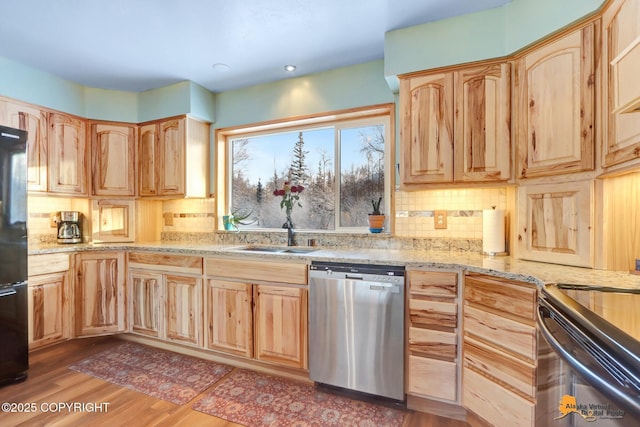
column 432, row 378
column 166, row 263
column 498, row 406
column 47, row 263
column 433, row 313
column 257, row 271
column 515, row 337
column 429, row 342
column 433, row 283
column 506, row 369
column 502, row 295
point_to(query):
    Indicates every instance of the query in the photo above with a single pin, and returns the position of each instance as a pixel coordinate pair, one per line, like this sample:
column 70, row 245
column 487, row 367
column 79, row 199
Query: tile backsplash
column 415, row 211
column 188, row 215
column 194, row 219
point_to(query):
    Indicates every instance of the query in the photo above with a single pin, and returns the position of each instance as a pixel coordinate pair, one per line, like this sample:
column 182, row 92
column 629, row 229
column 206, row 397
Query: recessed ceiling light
column 290, row 67
column 219, row 66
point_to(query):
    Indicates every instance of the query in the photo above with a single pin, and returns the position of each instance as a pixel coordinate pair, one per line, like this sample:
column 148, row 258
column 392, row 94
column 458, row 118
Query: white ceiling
column 136, row 45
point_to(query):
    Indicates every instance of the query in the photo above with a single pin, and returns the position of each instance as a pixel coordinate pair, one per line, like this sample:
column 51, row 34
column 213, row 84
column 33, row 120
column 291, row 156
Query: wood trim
column 256, row 271
column 166, row 263
column 47, row 263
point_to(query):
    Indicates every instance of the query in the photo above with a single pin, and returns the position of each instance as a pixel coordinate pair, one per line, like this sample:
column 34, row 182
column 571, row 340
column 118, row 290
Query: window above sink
column 342, row 160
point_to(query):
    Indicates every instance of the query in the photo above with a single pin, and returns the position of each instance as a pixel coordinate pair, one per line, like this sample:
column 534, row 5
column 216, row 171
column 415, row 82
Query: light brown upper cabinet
column 34, row 121
column 456, row 125
column 67, row 155
column 555, row 106
column 113, row 159
column 621, row 87
column 483, row 123
column 555, row 223
column 173, row 157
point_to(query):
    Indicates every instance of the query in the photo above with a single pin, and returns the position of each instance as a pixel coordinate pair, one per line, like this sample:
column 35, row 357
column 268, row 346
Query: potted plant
column 235, row 218
column 376, row 218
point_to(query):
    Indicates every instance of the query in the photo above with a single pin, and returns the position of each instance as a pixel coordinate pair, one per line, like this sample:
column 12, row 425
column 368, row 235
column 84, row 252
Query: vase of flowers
column 376, row 218
column 290, row 197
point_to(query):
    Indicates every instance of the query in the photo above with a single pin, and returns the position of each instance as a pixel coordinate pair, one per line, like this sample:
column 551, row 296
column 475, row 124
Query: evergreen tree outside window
column 342, row 166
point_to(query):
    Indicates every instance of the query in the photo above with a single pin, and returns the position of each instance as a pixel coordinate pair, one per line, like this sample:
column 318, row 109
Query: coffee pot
column 69, row 230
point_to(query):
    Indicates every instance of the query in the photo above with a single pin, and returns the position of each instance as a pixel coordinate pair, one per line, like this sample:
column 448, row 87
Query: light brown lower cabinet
column 165, row 294
column 229, row 316
column 499, row 350
column 48, row 299
column 99, row 297
column 281, row 325
column 433, row 370
column 248, row 317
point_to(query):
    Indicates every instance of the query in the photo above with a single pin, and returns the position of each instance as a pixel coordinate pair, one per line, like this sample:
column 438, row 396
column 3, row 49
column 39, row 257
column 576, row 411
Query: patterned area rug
column 255, row 399
column 168, row 376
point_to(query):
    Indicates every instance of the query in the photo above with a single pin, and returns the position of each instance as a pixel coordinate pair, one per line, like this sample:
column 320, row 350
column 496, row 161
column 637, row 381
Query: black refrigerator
column 14, row 351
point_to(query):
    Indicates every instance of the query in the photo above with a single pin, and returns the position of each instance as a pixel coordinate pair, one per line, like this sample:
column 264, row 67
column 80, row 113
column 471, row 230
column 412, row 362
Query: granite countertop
column 507, row 266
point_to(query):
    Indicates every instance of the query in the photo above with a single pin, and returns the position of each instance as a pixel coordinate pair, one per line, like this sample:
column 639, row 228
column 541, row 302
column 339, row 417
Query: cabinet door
column 555, row 223
column 67, row 155
column 148, row 160
column 281, row 325
column 621, row 62
column 146, row 302
column 99, row 296
column 229, row 317
column 183, row 315
column 171, row 172
column 34, row 122
column 483, row 123
column 426, row 109
column 112, row 159
column 48, row 309
column 556, row 106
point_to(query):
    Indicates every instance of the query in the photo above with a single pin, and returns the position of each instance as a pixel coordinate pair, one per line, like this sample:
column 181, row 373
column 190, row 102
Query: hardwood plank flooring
column 51, row 382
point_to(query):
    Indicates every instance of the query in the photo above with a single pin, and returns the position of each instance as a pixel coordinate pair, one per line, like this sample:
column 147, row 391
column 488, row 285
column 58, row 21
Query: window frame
column 343, row 119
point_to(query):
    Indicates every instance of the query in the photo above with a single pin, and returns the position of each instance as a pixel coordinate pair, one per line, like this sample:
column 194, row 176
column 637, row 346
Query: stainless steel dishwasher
column 356, row 327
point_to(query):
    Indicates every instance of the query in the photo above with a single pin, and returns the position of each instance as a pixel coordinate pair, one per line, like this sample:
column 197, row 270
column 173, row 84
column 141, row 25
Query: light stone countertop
column 507, row 267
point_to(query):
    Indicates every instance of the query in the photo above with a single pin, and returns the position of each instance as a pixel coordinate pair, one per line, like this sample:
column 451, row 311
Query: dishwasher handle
column 394, row 289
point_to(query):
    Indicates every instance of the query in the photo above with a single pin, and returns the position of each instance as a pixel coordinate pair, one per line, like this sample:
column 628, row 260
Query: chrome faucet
column 290, row 236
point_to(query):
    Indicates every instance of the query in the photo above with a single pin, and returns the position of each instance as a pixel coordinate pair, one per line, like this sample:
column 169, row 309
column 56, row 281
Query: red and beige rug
column 163, row 374
column 255, row 399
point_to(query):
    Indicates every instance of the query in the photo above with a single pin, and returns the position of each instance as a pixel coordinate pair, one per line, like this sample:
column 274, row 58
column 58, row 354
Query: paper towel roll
column 493, row 241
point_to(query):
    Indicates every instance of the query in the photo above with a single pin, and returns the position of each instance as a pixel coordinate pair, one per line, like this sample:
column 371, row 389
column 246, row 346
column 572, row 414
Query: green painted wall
column 37, row 87
column 114, row 105
column 492, row 33
column 338, row 89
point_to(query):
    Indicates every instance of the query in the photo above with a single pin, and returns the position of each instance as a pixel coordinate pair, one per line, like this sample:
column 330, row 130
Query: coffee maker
column 69, row 230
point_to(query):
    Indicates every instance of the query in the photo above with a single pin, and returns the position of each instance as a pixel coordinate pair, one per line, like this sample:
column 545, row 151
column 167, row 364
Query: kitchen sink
column 276, row 249
column 299, row 250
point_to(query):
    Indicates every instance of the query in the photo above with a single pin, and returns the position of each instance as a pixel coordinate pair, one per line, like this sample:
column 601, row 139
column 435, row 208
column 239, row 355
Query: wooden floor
column 51, row 382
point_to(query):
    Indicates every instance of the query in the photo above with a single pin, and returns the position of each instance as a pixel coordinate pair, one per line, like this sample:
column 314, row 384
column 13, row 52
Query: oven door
column 592, row 387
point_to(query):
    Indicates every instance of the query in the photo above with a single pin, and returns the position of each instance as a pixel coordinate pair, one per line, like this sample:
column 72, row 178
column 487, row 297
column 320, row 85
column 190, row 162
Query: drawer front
column 498, row 406
column 433, row 343
column 432, row 378
column 512, row 336
column 433, row 283
column 433, row 313
column 507, row 370
column 166, row 263
column 505, row 296
column 257, row 271
column 47, row 263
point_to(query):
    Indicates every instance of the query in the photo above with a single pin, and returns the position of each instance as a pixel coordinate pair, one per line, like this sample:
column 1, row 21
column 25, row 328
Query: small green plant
column 231, row 221
column 376, row 206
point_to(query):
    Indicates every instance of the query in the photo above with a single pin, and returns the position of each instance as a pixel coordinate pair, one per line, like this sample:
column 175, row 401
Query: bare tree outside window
column 261, row 164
